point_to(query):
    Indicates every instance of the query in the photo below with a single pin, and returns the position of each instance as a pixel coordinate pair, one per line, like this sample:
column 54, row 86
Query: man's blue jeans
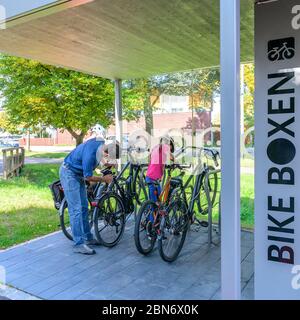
column 76, row 195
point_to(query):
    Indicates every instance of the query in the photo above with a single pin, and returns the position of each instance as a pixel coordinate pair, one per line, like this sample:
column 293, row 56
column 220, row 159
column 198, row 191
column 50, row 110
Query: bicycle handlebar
column 214, row 154
column 177, row 166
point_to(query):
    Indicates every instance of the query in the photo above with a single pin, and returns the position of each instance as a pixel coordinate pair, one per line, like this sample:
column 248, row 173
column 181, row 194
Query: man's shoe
column 84, row 249
column 92, row 242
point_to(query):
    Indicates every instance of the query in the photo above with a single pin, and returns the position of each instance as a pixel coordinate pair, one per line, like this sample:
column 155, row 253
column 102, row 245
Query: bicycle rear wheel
column 109, row 219
column 64, row 220
column 139, row 186
column 202, row 201
column 173, row 230
column 144, row 233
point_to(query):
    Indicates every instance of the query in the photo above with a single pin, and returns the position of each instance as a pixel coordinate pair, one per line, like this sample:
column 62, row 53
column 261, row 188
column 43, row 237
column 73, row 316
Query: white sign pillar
column 277, row 150
column 230, row 138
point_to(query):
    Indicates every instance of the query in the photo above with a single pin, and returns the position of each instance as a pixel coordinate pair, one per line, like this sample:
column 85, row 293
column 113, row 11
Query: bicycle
column 60, row 202
column 138, row 174
column 115, row 206
column 147, row 226
column 205, row 155
column 180, row 213
column 280, row 53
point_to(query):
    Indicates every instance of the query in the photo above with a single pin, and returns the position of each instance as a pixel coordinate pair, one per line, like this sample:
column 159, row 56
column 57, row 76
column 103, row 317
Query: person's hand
column 108, row 178
column 98, row 171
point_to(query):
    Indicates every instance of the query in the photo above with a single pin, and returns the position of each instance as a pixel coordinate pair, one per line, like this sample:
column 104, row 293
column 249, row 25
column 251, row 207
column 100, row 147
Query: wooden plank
column 14, row 162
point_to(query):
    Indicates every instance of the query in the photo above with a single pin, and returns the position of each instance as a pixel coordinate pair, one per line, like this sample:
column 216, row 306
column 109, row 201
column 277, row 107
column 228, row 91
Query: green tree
column 37, row 94
column 145, row 93
column 249, row 95
column 6, row 125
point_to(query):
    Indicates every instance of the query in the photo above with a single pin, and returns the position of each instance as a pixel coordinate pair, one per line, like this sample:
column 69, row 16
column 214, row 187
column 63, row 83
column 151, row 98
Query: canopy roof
column 128, row 38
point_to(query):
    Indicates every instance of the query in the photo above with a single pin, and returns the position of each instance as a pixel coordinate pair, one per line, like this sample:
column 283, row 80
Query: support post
column 118, row 112
column 230, row 130
column 242, row 99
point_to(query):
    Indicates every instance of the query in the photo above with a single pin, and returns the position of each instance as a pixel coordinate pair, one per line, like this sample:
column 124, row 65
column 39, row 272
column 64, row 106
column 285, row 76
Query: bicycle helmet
column 166, row 139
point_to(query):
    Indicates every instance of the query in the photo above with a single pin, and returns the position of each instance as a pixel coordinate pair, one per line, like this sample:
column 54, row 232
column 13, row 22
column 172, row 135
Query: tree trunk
column 78, row 137
column 79, row 140
column 148, row 112
column 28, row 141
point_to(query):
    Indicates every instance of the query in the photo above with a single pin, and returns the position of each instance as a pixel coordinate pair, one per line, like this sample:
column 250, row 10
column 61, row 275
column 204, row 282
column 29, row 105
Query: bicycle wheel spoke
column 111, row 223
column 173, row 232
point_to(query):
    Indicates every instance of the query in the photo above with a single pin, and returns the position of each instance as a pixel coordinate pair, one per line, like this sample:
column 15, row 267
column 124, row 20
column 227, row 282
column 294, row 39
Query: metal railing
column 13, row 161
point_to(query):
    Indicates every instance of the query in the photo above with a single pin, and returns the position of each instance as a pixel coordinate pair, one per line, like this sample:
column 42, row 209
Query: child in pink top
column 159, row 156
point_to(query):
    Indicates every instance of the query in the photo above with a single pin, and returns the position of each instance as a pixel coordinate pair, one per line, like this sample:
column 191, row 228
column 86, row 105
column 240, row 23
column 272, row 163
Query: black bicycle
column 116, row 205
column 180, row 213
column 93, row 192
column 148, row 221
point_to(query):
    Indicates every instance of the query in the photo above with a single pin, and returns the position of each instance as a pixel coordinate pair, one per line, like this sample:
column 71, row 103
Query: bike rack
column 210, row 209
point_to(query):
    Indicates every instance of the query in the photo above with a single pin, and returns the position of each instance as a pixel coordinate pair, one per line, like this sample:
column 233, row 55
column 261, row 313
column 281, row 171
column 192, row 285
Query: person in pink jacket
column 160, row 154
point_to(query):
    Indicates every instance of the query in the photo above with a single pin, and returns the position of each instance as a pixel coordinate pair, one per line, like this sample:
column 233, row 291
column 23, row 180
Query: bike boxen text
column 281, row 152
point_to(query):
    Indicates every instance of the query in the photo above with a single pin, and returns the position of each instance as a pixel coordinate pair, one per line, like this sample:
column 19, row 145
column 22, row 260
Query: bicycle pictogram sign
column 281, row 49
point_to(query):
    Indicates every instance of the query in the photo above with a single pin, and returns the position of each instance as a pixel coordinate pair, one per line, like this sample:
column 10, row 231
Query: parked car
column 9, row 144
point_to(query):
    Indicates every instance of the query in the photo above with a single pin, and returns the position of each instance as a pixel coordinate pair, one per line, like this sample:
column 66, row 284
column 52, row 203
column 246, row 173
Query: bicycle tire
column 289, row 53
column 137, row 240
column 100, row 213
column 139, row 188
column 182, row 229
column 213, row 190
column 273, row 55
column 62, row 220
column 67, row 229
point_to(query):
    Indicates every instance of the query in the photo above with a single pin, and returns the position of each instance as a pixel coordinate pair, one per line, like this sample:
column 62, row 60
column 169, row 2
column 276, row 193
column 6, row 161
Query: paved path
column 48, row 269
column 29, row 160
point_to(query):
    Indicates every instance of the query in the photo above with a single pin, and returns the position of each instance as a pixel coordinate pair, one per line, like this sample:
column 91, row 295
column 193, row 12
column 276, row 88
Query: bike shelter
column 132, row 39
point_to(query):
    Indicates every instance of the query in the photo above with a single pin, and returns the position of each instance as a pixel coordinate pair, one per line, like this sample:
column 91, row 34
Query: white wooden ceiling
column 128, row 38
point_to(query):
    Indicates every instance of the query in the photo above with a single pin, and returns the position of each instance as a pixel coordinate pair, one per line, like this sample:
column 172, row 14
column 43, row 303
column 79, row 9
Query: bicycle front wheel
column 145, row 233
column 173, row 230
column 109, row 220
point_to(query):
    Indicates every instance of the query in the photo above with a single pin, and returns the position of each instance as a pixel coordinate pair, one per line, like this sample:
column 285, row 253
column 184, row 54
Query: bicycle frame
column 199, row 172
column 126, row 194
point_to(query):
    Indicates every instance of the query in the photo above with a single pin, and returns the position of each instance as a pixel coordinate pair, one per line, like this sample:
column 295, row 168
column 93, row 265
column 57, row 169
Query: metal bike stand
column 210, row 209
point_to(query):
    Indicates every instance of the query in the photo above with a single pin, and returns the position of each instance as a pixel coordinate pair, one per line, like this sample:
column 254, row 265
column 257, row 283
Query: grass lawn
column 247, row 203
column 247, row 162
column 27, row 209
column 50, row 155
